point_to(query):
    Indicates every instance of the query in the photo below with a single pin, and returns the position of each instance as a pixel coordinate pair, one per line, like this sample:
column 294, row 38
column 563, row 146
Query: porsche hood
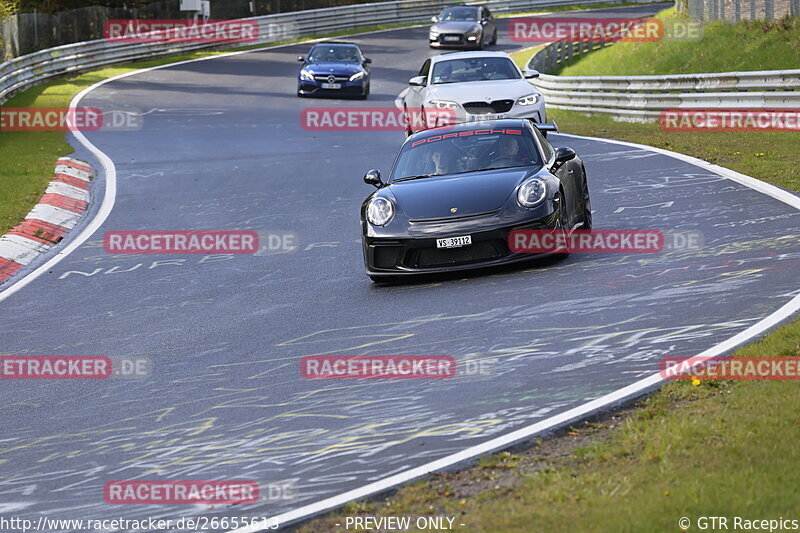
column 458, row 195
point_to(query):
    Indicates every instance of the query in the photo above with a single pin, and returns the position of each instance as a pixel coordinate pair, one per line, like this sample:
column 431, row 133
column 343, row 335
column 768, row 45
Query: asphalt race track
column 222, row 147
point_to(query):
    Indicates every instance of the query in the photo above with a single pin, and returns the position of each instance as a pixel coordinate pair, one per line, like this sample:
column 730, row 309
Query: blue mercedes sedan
column 334, row 68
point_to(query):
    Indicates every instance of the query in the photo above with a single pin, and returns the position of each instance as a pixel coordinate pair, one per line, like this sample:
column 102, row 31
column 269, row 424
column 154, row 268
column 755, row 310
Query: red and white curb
column 58, row 211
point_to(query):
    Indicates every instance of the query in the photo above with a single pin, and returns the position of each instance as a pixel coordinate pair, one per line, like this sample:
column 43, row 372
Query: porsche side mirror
column 530, row 73
column 434, row 19
column 563, row 154
column 417, row 81
column 373, row 177
column 301, row 58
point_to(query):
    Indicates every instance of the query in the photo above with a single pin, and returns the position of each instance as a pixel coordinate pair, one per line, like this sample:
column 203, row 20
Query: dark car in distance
column 463, row 27
column 455, row 193
column 334, row 68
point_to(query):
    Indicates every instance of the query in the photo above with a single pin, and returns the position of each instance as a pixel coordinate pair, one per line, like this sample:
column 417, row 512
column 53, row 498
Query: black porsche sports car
column 455, row 193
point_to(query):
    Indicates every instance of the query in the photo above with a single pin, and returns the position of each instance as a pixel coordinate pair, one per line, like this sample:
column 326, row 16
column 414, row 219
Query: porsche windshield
column 474, row 69
column 332, row 53
column 466, row 151
column 459, row 13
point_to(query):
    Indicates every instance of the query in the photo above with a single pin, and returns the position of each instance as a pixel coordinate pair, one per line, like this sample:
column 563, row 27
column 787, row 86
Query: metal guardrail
column 642, row 98
column 32, row 69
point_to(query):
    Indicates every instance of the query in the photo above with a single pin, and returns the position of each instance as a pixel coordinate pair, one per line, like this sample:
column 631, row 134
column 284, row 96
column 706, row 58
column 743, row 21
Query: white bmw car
column 471, row 87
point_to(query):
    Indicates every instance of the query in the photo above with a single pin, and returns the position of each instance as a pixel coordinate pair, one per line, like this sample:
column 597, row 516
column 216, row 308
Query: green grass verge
column 715, row 449
column 749, row 45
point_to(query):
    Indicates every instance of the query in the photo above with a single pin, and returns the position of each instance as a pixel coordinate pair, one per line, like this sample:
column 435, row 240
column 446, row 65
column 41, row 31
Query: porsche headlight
column 532, row 192
column 306, row 75
column 444, row 104
column 357, row 76
column 529, row 100
column 380, row 211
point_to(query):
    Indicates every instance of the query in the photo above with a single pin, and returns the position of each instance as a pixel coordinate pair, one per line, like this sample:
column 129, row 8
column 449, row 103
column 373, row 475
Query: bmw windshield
column 474, row 69
column 465, row 151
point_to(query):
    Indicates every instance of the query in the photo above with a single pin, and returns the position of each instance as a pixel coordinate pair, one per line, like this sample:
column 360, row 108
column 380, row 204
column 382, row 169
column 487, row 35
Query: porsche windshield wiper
column 490, row 168
column 409, row 178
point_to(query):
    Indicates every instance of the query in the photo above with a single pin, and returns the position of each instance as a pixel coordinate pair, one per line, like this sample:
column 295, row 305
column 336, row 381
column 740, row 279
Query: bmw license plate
column 489, row 116
column 454, row 242
column 331, row 85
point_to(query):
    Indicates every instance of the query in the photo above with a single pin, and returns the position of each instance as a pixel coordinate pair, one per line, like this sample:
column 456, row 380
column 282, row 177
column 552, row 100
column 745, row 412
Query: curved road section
column 222, row 147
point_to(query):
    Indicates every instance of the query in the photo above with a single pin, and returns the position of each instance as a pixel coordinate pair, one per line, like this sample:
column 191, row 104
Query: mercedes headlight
column 306, row 75
column 380, row 211
column 532, row 192
column 443, row 104
column 357, row 76
column 529, row 100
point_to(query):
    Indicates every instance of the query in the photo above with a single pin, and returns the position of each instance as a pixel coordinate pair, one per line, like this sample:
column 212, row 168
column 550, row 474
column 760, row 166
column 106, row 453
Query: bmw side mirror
column 367, row 60
column 417, row 81
column 434, row 19
column 530, row 73
column 373, row 177
column 301, row 58
column 563, row 154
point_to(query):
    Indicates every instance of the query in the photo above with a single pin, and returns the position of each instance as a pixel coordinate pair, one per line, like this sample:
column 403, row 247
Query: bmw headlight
column 443, row 104
column 306, row 75
column 380, row 211
column 357, row 76
column 529, row 100
column 532, row 192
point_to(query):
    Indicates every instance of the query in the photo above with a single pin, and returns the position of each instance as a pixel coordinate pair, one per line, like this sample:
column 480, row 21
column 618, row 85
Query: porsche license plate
column 454, row 242
column 331, row 85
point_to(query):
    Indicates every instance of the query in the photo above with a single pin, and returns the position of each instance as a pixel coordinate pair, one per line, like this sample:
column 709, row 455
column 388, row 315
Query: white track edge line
column 571, row 415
